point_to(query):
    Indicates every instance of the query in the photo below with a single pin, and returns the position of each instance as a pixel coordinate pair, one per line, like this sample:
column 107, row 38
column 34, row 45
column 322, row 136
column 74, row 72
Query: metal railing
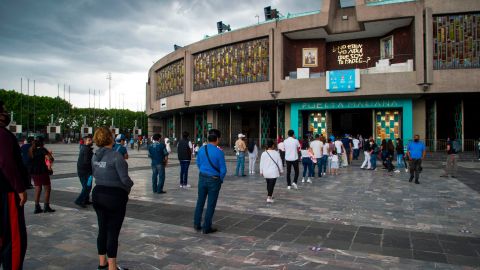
column 468, row 145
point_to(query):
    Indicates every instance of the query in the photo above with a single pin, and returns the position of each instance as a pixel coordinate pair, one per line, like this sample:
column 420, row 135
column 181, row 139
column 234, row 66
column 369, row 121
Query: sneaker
column 397, row 171
column 181, row 186
column 38, row 209
column 309, row 181
column 121, row 268
column 48, row 209
column 105, row 267
column 303, row 180
column 269, row 200
column 289, row 187
column 406, row 170
column 187, row 186
column 294, row 185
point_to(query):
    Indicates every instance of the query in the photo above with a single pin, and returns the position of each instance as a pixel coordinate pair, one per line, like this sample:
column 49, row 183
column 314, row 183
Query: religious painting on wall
column 239, row 63
column 386, row 48
column 170, row 79
column 310, row 57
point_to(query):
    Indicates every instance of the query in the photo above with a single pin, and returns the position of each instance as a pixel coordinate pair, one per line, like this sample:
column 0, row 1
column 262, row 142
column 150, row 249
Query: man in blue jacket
column 212, row 167
column 159, row 155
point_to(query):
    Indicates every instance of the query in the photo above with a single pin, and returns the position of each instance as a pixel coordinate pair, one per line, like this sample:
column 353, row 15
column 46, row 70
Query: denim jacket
column 158, row 153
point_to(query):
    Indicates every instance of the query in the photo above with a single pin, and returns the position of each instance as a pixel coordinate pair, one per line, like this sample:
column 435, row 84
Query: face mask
column 371, row 143
column 416, row 140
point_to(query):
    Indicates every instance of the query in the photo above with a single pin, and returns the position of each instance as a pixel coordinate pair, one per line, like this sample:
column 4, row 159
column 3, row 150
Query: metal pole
column 89, row 98
column 28, row 105
column 34, row 115
column 463, row 126
column 21, row 101
column 109, row 78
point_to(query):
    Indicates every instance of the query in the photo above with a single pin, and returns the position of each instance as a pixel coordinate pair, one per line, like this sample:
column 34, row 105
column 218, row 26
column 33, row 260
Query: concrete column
column 290, row 121
column 419, row 45
column 152, row 125
column 419, row 122
column 188, row 79
column 428, row 46
column 210, row 118
column 463, row 126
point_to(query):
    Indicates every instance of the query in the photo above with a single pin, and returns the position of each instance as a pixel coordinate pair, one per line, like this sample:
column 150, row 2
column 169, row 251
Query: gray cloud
column 80, row 41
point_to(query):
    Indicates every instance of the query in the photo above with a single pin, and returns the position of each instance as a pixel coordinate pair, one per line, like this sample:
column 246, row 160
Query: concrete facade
column 410, row 23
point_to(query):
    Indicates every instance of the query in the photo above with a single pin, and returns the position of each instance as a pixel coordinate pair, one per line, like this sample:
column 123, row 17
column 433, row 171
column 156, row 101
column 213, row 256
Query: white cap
column 240, row 135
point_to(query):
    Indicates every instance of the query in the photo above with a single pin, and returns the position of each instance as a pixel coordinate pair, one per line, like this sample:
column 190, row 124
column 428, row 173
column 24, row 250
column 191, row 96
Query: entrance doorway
column 353, row 122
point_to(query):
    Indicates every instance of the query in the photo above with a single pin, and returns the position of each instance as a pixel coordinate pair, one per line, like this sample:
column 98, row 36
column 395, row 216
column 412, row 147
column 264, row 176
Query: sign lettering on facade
column 350, row 105
column 349, row 54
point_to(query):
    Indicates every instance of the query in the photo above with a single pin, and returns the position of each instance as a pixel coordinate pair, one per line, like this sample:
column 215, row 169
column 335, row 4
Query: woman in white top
column 252, row 156
column 167, row 145
column 271, row 168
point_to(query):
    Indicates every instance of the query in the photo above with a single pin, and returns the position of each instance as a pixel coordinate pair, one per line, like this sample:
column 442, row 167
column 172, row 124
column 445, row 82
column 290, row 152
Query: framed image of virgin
column 386, row 48
column 310, row 57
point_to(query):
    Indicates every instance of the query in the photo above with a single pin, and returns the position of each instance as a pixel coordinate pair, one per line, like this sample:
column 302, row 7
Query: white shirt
column 304, row 153
column 281, row 146
column 335, row 158
column 317, row 146
column 291, row 149
column 356, row 142
column 326, row 149
column 268, row 168
column 254, row 153
column 338, row 145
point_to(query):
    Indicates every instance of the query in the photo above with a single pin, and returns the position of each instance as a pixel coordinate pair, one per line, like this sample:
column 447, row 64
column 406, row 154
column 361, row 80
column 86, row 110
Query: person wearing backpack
column 451, row 167
column 184, row 150
column 158, row 153
column 41, row 174
column 270, row 168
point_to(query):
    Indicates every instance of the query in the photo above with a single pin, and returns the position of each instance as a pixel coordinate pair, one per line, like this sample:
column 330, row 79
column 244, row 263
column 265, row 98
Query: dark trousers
column 208, row 188
column 13, row 233
column 415, row 166
column 389, row 163
column 110, row 204
column 356, row 152
column 289, row 170
column 373, row 160
column 158, row 177
column 84, row 196
column 307, row 167
column 282, row 156
column 270, row 185
column 319, row 164
column 184, row 164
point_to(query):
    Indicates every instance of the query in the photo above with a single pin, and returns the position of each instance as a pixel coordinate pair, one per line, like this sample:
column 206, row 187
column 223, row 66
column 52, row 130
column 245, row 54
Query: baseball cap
column 240, row 135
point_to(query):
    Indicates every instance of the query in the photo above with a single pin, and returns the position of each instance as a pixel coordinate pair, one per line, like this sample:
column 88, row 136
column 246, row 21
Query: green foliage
column 36, row 111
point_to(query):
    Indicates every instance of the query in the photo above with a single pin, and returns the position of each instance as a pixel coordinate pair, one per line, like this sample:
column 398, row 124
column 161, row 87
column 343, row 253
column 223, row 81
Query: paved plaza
column 356, row 220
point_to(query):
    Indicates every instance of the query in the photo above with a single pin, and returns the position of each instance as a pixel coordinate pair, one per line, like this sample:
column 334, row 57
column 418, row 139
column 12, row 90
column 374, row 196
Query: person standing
column 317, row 148
column 110, row 196
column 13, row 196
column 307, row 161
column 240, row 148
column 400, row 156
column 325, row 154
column 27, row 161
column 84, row 171
column 281, row 150
column 212, row 167
column 347, row 145
column 167, row 145
column 292, row 147
column 339, row 149
column 356, row 148
column 184, row 150
column 416, row 152
column 119, row 146
column 374, row 150
column 270, row 168
column 252, row 156
column 451, row 167
column 334, row 162
column 41, row 174
column 367, row 164
column 158, row 153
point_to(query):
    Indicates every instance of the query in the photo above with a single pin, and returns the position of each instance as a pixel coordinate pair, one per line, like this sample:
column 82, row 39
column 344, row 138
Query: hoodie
column 111, row 170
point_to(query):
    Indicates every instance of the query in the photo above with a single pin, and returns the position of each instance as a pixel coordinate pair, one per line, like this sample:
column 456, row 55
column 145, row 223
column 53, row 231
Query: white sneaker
column 294, row 186
column 181, row 186
column 397, row 171
column 309, row 181
column 303, row 180
column 406, row 170
column 269, row 200
column 187, row 186
column 289, row 187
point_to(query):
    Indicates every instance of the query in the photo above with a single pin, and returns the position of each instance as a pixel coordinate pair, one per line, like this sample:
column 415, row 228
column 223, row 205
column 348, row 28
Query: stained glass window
column 245, row 62
column 387, row 125
column 170, row 79
column 456, row 41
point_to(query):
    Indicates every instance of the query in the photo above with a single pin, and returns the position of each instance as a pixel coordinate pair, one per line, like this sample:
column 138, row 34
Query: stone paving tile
column 385, row 214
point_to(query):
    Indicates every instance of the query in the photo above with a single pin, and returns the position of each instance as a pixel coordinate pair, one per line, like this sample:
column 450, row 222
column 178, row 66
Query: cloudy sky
column 78, row 42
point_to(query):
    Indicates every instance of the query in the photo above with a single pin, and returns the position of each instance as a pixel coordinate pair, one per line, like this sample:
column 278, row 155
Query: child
column 334, row 166
column 270, row 168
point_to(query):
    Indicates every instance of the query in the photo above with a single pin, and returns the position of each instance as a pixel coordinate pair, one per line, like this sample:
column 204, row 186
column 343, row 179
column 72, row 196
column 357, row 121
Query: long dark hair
column 390, row 146
column 251, row 146
column 384, row 144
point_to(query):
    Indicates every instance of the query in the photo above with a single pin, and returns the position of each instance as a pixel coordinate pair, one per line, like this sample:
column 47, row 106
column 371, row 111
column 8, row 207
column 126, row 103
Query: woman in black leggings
column 270, row 168
column 110, row 196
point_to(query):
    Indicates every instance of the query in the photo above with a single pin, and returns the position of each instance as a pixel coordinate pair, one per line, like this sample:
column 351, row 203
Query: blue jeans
column 373, row 160
column 158, row 177
column 400, row 161
column 184, row 164
column 207, row 187
column 85, row 193
column 240, row 164
column 307, row 165
column 356, row 152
